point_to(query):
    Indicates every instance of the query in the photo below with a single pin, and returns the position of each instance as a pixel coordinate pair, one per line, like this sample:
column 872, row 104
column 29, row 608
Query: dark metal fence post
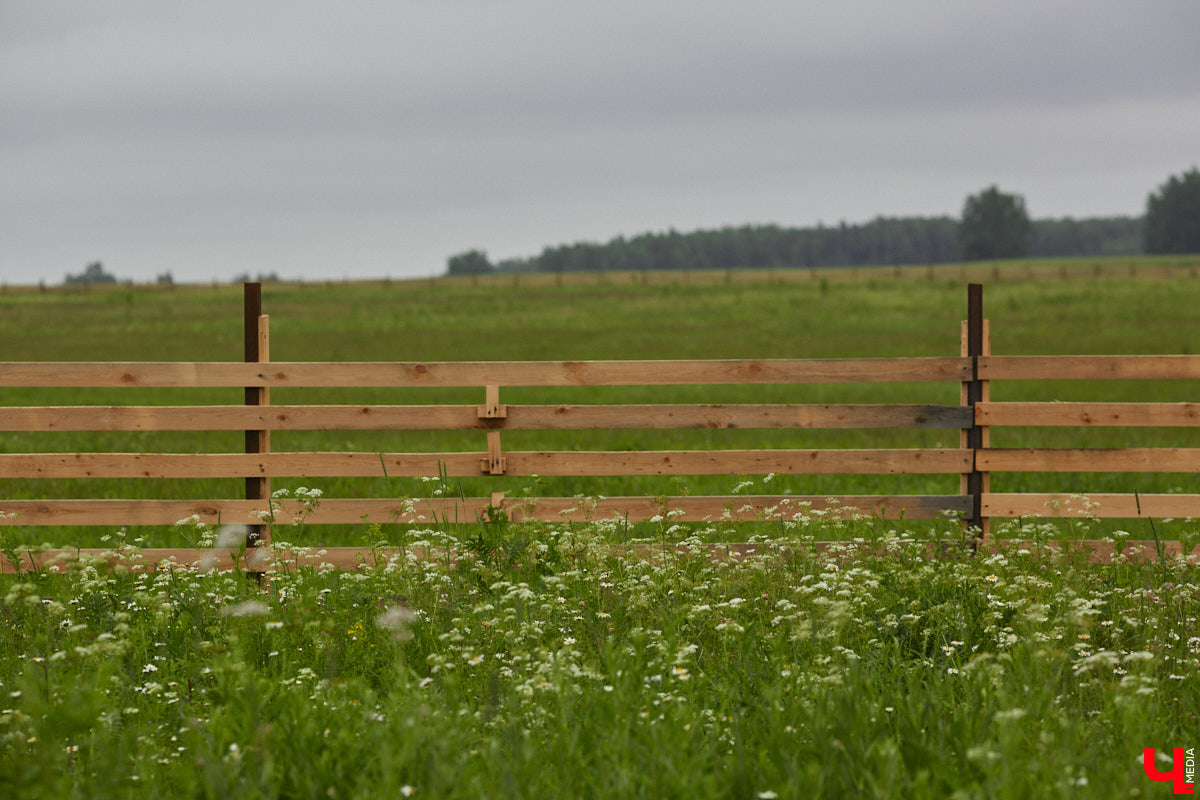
column 256, row 440
column 975, row 395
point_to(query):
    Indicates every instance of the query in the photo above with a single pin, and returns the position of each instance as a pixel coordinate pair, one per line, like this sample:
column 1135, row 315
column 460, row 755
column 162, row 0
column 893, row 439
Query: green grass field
column 1096, row 308
column 544, row 663
column 560, row 669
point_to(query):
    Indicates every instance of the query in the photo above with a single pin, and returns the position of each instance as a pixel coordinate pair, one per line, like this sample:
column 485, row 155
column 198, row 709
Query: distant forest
column 882, row 241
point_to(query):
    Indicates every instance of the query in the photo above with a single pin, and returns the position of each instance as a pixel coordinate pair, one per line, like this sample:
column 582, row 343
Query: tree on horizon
column 994, row 225
column 1172, row 222
column 94, row 273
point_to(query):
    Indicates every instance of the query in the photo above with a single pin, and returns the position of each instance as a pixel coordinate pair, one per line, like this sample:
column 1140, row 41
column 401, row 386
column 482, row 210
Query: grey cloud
column 292, row 132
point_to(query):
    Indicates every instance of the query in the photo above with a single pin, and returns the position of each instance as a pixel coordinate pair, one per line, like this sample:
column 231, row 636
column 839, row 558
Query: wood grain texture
column 516, row 417
column 1132, row 459
column 523, row 463
column 1164, row 415
column 1102, row 505
column 342, row 511
column 1133, row 367
column 481, row 373
column 736, row 462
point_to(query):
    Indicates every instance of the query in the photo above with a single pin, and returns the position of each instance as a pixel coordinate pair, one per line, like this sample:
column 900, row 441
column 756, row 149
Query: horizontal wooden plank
column 1164, row 415
column 742, row 507
column 1133, row 367
column 269, row 559
column 459, row 417
column 1132, row 459
column 481, row 373
column 749, row 462
column 595, row 462
column 344, row 511
column 1094, row 551
column 240, row 417
column 235, row 465
column 1101, row 505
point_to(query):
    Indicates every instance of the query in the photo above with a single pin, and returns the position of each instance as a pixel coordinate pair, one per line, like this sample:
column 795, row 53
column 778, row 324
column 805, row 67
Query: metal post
column 256, row 440
column 975, row 395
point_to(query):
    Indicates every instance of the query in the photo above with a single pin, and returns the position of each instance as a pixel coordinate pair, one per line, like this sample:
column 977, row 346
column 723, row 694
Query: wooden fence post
column 257, row 441
column 494, row 463
column 973, row 394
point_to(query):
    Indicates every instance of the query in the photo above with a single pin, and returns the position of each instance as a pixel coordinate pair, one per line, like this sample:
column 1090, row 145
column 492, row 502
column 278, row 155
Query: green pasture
column 1060, row 307
column 544, row 661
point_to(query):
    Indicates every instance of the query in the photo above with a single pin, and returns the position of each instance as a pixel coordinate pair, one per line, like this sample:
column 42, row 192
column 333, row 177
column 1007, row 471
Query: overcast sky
column 376, row 138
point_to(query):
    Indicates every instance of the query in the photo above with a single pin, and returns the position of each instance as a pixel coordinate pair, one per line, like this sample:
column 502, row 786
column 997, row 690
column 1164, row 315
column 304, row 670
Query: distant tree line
column 268, row 277
column 94, row 273
column 883, row 241
column 993, row 225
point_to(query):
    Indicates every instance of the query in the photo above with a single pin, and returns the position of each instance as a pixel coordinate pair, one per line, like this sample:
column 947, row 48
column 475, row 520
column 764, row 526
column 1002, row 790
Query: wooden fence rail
column 364, row 374
column 466, row 418
column 974, row 370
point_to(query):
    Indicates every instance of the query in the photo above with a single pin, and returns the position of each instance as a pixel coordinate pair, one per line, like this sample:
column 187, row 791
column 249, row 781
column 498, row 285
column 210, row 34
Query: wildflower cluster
column 553, row 656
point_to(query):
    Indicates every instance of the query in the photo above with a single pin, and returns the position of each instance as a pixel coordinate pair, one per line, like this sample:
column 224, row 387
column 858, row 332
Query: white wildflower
column 397, row 619
column 250, row 608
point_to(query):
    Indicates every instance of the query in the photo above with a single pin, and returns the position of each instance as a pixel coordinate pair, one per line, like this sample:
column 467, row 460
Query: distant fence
column 1035, row 269
column 974, row 369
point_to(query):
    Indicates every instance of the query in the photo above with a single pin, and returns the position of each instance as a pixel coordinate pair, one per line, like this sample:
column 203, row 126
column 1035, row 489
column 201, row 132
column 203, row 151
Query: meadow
column 1096, row 308
column 554, row 660
column 558, row 667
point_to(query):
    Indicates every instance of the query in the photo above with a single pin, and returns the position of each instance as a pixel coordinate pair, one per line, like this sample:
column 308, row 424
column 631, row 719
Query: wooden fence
column 974, row 369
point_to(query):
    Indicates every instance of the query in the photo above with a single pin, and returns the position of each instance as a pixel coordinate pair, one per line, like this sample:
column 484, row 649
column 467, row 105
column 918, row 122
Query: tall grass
column 542, row 663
